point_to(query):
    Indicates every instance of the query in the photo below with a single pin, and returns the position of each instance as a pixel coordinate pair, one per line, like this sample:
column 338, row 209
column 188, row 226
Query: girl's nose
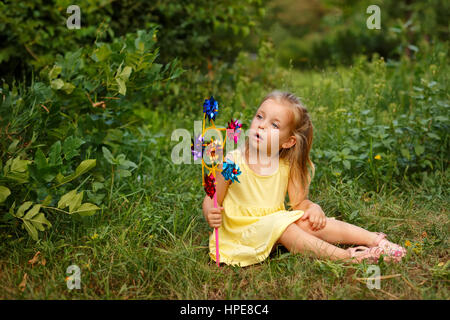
column 262, row 125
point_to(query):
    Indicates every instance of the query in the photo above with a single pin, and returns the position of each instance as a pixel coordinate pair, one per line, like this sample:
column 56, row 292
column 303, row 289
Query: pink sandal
column 371, row 254
column 389, row 248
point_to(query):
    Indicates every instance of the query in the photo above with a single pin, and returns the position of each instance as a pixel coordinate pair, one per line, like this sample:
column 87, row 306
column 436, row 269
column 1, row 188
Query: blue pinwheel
column 230, row 171
column 210, row 108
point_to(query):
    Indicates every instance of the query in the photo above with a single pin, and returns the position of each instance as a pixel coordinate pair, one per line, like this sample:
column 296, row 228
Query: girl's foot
column 358, row 254
column 390, row 249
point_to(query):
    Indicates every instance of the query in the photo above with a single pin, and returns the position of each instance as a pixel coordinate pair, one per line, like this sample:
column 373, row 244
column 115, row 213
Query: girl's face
column 272, row 122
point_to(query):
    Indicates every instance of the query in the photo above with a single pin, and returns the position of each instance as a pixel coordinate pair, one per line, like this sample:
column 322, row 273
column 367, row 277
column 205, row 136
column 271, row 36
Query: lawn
column 150, row 241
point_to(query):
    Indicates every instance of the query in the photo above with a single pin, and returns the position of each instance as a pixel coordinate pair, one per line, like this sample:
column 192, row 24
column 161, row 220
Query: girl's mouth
column 258, row 137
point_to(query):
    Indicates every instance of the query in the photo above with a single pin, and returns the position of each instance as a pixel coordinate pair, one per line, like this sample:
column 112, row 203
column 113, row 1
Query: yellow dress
column 254, row 215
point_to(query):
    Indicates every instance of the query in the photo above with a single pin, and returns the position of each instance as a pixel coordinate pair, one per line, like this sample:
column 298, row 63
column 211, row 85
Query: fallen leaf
column 43, row 261
column 35, row 259
column 23, row 284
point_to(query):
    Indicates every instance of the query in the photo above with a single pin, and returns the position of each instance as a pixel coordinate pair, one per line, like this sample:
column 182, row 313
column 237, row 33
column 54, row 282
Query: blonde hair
column 302, row 128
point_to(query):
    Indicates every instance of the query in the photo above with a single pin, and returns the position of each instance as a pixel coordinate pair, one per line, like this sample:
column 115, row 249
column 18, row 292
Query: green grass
column 165, row 257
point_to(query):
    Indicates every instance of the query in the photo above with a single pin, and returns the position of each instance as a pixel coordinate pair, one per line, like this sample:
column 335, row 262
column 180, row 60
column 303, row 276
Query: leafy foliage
column 41, row 167
column 33, row 32
column 387, row 133
column 334, row 32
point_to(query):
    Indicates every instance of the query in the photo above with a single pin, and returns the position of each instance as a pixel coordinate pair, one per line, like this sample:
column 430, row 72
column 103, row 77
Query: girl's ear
column 291, row 141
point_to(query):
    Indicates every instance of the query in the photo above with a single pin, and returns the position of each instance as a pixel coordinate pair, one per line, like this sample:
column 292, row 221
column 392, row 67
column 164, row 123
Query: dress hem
column 263, row 256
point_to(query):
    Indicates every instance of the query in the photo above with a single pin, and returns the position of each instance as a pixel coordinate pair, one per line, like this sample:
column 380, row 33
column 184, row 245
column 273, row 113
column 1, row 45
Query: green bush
column 384, row 121
column 34, row 32
column 335, row 33
column 54, row 131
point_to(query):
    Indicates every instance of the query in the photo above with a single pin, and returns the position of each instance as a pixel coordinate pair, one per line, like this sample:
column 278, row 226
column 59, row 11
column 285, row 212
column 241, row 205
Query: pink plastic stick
column 216, row 231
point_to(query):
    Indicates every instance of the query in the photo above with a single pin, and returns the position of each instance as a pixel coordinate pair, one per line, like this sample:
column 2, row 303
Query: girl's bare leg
column 337, row 232
column 297, row 240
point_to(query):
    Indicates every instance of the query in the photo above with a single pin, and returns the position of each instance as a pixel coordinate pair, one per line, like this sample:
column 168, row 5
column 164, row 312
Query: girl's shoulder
column 284, row 162
column 285, row 166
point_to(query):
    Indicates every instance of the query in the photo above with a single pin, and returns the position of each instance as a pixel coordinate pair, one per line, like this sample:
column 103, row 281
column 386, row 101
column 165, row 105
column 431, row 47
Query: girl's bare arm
column 313, row 212
column 297, row 194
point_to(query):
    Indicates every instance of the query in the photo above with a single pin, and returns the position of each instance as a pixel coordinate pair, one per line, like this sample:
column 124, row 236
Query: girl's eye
column 275, row 125
column 258, row 116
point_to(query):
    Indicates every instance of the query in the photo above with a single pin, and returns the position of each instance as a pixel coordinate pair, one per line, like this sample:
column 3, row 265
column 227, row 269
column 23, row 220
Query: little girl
column 253, row 218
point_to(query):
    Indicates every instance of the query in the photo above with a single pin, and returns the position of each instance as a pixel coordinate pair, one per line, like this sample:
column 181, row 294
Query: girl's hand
column 214, row 217
column 316, row 216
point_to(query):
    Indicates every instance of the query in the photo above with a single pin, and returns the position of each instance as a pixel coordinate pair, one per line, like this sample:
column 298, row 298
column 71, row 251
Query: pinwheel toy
column 214, row 151
column 234, row 130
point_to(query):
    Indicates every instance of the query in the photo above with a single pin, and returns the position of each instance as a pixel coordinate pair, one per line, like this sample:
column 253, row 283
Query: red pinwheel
column 210, row 185
column 234, row 130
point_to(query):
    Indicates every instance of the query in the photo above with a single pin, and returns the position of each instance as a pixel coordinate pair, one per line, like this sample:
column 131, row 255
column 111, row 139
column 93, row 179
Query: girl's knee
column 292, row 237
column 304, row 225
